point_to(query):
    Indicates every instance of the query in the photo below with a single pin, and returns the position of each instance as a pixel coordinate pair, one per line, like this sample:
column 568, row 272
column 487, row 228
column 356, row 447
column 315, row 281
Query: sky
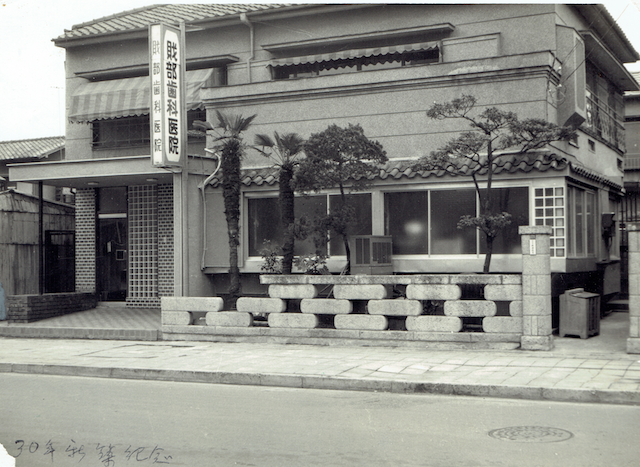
column 32, row 78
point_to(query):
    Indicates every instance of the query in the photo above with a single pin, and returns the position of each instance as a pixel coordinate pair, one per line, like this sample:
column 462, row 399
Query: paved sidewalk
column 587, row 370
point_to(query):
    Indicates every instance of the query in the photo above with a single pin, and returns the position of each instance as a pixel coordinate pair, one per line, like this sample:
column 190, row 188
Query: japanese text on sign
column 166, row 100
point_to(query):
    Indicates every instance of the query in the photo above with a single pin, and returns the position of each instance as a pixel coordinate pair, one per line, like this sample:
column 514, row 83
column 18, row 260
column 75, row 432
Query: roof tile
column 397, row 169
column 141, row 18
column 30, row 148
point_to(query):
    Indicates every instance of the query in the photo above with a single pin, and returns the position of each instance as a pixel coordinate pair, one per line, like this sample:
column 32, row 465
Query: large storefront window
column 265, row 225
column 515, row 201
column 407, row 220
column 426, row 222
column 446, row 209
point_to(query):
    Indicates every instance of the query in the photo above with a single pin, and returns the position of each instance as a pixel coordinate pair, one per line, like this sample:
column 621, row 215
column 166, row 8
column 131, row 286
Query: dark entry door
column 112, row 259
column 59, row 261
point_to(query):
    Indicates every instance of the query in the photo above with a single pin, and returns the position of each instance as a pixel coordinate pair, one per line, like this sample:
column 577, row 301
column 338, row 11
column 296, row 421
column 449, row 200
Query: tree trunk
column 287, row 217
column 231, row 193
column 487, row 257
column 345, row 239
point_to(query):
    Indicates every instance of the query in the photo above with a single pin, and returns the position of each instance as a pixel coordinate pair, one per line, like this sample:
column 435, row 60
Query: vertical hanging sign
column 167, row 80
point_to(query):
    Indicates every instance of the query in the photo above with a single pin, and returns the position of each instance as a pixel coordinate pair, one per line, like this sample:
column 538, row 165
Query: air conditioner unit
column 371, row 254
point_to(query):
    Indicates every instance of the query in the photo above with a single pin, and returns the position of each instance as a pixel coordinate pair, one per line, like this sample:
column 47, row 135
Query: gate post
column 633, row 342
column 536, row 288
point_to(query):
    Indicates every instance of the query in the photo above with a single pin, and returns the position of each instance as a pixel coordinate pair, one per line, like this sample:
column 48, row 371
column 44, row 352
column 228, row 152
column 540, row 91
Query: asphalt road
column 71, row 421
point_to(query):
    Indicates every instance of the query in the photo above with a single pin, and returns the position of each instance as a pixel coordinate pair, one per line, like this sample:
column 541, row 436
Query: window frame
column 274, row 195
column 143, row 135
column 353, row 65
column 449, row 187
column 587, row 237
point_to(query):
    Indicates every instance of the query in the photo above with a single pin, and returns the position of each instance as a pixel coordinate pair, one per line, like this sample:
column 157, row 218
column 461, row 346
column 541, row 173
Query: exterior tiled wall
column 143, row 247
column 86, row 240
column 165, row 241
column 28, row 308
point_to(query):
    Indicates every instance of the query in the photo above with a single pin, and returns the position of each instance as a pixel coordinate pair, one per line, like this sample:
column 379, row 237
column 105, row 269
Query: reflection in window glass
column 590, row 219
column 515, row 201
column 311, row 207
column 579, row 223
column 581, row 218
column 407, row 220
column 265, row 223
column 361, row 224
column 446, row 209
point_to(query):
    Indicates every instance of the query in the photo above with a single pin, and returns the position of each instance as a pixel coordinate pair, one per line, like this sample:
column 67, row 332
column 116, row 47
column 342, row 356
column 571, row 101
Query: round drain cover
column 531, row 434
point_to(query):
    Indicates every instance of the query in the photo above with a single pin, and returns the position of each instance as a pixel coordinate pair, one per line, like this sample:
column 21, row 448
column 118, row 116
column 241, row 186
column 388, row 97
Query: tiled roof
column 636, row 76
column 141, row 18
column 398, row 169
column 30, row 148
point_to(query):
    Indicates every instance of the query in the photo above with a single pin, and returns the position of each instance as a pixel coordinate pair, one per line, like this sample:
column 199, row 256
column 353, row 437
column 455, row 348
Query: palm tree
column 230, row 147
column 285, row 151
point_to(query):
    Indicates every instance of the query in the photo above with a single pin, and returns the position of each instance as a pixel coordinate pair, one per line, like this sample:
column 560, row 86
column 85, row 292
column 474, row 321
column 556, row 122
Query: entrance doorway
column 59, row 261
column 112, row 244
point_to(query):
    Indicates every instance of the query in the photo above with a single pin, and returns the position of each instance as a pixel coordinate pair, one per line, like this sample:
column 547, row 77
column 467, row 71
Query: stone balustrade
column 462, row 310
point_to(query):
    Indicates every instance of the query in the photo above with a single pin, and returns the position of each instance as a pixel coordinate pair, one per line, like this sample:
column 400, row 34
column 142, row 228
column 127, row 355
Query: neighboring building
column 32, row 150
column 630, row 211
column 20, row 240
column 19, row 221
column 300, row 68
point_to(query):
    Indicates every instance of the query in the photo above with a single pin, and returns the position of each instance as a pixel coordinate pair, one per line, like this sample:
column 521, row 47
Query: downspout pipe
column 245, row 20
column 202, row 187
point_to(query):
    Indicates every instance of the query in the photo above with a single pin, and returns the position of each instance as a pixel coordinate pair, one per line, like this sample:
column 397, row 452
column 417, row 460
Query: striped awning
column 356, row 53
column 127, row 97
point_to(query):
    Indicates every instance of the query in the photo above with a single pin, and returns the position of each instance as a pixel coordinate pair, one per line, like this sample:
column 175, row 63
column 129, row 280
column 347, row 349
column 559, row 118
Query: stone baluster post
column 633, row 342
column 536, row 288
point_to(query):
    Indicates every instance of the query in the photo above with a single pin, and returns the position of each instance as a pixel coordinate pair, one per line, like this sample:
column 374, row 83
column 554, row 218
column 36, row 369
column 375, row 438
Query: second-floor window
column 127, row 132
column 605, row 109
column 121, row 132
column 330, row 65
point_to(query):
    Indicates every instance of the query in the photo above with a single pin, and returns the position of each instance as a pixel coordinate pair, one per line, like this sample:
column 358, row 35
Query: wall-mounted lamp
column 92, row 183
column 152, row 179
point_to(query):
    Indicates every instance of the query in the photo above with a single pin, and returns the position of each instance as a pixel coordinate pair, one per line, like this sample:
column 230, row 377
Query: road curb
column 333, row 382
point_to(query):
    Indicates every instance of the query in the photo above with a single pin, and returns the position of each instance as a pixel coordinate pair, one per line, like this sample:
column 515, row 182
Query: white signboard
column 167, row 80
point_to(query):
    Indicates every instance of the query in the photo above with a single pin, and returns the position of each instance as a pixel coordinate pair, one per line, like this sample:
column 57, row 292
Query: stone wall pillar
column 633, row 342
column 536, row 288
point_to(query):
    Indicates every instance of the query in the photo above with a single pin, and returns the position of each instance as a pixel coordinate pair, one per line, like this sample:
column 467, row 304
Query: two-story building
column 144, row 232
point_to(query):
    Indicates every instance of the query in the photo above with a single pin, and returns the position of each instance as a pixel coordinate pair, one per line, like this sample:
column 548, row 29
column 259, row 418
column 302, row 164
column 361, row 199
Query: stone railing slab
column 293, row 320
column 469, row 308
column 261, row 305
column 433, row 292
column 395, row 307
column 504, row 292
column 434, row 323
column 197, row 304
column 229, row 319
column 293, row 291
column 176, row 318
column 502, row 324
column 361, row 291
column 326, row 306
column 361, row 322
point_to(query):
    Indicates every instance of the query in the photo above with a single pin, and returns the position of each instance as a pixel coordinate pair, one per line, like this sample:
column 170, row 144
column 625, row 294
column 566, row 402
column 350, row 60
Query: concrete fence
column 436, row 310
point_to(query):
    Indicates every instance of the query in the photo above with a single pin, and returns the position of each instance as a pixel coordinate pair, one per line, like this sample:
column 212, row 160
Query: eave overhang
column 606, row 61
column 92, row 173
column 606, row 27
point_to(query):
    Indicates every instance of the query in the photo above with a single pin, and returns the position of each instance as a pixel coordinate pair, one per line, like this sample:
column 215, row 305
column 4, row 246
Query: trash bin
column 579, row 313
